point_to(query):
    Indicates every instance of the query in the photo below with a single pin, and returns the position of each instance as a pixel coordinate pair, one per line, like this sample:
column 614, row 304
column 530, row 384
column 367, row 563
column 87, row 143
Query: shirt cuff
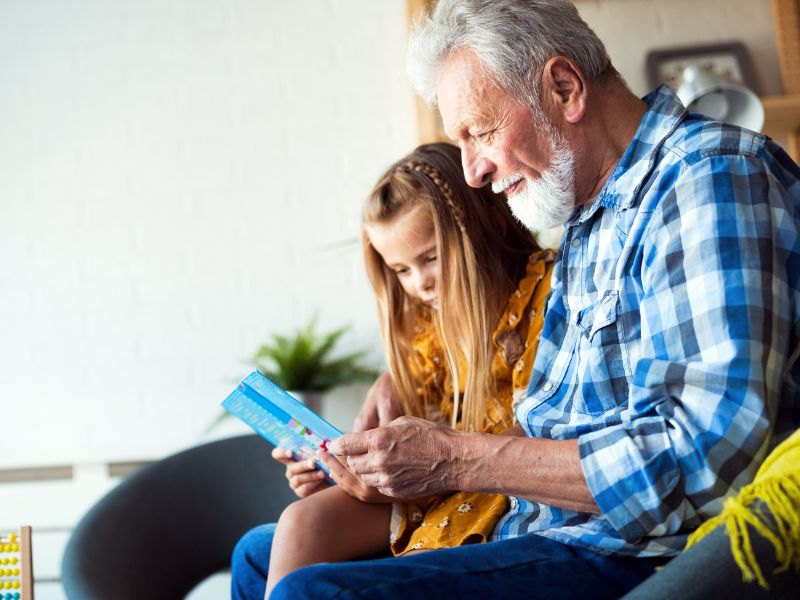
column 625, row 481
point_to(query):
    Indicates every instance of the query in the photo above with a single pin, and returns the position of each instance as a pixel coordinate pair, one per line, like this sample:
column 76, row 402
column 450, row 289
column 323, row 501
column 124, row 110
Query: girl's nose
column 426, row 281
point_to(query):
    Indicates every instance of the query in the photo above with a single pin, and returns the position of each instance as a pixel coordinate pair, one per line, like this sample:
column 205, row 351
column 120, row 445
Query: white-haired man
column 665, row 370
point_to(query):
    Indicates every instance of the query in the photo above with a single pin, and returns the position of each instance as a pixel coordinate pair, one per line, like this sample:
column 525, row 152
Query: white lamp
column 720, row 98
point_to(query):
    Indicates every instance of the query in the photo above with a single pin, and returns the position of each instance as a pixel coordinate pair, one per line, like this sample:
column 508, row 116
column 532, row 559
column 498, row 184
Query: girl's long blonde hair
column 482, row 251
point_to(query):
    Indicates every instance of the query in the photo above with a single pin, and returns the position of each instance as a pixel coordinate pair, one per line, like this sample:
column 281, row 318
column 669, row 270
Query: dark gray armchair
column 169, row 526
column 708, row 570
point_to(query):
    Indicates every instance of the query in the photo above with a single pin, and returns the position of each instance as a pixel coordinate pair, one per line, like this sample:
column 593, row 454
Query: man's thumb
column 349, row 444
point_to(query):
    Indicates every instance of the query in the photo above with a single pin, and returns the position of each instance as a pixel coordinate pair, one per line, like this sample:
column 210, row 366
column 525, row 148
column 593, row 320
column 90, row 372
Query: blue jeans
column 529, row 566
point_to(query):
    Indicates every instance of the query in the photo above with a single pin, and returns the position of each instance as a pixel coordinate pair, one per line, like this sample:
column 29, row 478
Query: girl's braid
column 439, row 181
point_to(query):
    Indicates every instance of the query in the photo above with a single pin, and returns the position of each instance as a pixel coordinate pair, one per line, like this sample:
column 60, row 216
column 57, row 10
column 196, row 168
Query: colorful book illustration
column 279, row 418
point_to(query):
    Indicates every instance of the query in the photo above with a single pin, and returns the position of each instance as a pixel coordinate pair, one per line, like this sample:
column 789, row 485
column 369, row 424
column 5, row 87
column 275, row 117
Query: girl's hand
column 381, row 406
column 349, row 482
column 305, row 478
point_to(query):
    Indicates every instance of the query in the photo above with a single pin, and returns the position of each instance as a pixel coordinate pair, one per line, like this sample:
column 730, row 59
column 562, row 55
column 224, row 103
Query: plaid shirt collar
column 664, row 113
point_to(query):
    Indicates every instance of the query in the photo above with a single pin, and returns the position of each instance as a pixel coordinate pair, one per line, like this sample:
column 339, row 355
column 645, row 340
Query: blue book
column 280, row 418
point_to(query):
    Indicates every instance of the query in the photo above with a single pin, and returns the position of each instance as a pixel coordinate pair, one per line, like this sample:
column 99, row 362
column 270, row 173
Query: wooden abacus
column 16, row 565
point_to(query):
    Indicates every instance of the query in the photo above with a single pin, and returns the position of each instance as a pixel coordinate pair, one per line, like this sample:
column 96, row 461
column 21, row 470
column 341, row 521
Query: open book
column 278, row 417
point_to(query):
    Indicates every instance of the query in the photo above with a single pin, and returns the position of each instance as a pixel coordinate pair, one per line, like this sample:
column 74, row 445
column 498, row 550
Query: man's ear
column 564, row 89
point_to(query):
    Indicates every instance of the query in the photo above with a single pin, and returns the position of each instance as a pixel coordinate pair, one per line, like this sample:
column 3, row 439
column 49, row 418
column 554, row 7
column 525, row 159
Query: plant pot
column 312, row 400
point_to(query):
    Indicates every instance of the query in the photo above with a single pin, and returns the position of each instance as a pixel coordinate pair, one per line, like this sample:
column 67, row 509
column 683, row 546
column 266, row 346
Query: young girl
column 460, row 288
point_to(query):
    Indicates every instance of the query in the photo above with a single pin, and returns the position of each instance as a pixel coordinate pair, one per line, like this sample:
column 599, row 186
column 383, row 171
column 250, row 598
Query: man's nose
column 477, row 168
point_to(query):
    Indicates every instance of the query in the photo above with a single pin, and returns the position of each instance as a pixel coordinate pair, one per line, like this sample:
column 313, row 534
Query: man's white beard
column 548, row 201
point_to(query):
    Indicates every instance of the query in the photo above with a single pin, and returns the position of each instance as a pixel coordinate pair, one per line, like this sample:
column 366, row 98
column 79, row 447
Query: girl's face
column 407, row 245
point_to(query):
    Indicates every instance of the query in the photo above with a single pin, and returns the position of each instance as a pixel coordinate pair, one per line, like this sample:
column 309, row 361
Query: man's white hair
column 513, row 39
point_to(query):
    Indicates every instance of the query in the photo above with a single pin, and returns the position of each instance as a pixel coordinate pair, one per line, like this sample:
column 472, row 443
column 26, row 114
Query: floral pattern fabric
column 459, row 518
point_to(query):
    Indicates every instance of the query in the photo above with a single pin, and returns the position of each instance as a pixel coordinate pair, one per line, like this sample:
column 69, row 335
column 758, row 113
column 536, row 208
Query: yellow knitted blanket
column 771, row 506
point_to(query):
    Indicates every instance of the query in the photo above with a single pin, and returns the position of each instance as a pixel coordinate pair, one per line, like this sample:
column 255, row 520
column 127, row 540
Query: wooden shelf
column 781, row 115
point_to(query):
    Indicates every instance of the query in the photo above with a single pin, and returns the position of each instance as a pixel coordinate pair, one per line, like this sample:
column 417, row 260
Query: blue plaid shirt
column 667, row 347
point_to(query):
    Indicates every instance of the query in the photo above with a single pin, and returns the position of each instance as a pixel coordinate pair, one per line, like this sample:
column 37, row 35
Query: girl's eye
column 400, row 272
column 430, row 259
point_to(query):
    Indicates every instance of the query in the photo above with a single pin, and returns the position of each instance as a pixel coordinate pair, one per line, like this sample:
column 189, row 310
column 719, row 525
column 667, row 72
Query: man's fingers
column 356, row 465
column 350, row 444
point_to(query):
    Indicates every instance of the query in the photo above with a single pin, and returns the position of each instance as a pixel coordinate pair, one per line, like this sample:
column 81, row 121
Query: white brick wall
column 170, row 174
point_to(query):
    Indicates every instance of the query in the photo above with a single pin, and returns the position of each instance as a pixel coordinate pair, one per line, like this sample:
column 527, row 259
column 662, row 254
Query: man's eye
column 482, row 137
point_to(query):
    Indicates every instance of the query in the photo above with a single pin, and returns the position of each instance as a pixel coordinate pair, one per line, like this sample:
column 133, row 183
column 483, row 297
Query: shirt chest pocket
column 601, row 358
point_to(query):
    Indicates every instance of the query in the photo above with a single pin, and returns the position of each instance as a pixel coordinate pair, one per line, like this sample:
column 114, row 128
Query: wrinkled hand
column 349, row 482
column 305, row 477
column 381, row 406
column 408, row 458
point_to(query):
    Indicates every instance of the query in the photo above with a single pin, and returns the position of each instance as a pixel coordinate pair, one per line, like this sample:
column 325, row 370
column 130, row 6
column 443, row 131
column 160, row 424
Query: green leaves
column 303, row 361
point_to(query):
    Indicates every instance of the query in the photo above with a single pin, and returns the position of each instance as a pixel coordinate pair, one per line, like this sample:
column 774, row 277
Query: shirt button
column 576, row 242
column 547, row 387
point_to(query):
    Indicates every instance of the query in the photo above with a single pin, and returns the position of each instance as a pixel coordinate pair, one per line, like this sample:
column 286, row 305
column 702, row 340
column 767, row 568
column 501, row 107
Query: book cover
column 280, row 418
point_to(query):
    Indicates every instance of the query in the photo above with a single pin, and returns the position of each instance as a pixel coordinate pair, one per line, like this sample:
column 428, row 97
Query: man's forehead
column 459, row 88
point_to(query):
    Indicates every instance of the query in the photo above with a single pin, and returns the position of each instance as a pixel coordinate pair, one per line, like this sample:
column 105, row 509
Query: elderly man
column 666, row 368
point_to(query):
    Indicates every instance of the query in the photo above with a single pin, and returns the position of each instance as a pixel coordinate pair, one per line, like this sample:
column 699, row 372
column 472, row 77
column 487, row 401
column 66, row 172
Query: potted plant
column 303, row 363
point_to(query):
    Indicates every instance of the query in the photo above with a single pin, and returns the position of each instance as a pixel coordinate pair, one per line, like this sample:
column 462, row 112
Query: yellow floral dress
column 459, row 518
